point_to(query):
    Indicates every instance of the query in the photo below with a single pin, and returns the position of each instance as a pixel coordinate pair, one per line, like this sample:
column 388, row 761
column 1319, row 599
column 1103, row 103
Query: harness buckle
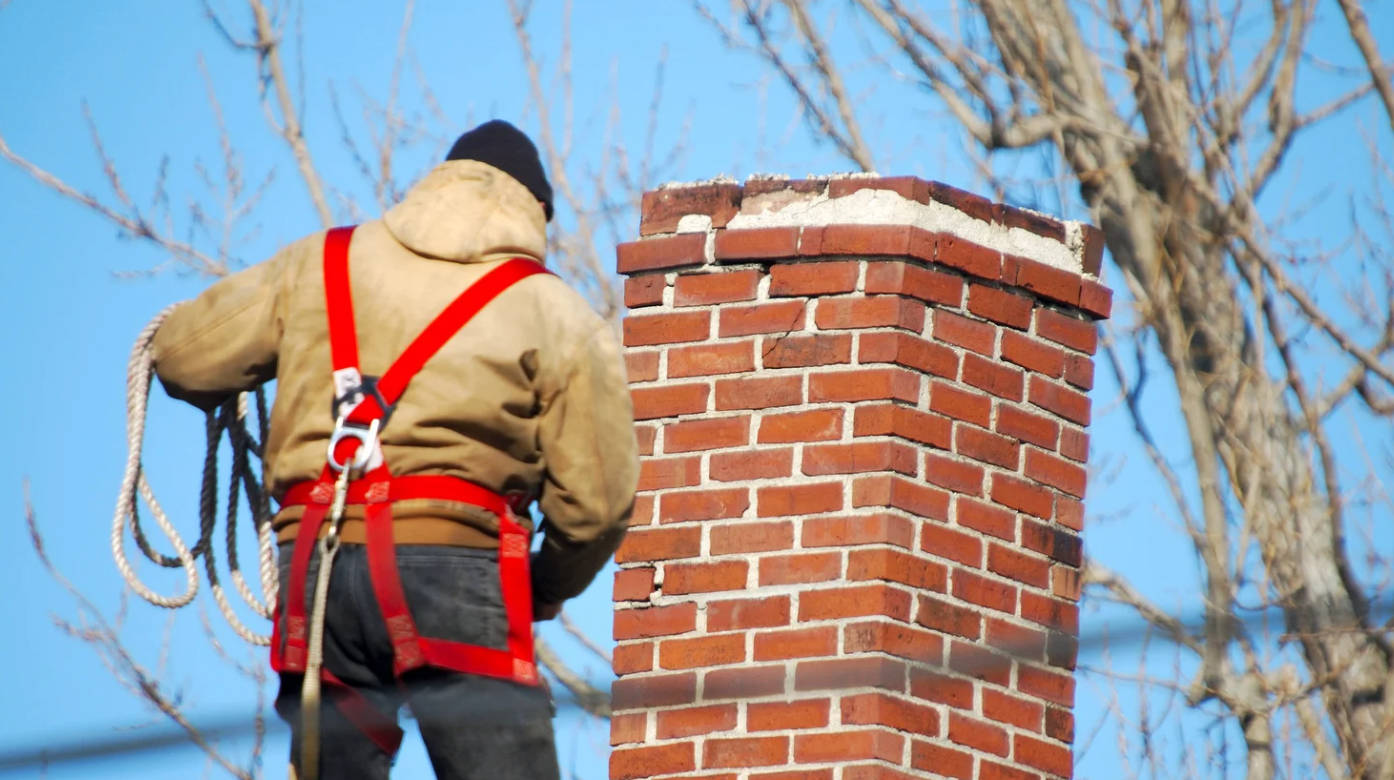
column 368, row 451
column 351, row 389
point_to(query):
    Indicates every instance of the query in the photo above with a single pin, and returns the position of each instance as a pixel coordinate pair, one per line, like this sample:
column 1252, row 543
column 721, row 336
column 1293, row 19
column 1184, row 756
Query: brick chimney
column 855, row 552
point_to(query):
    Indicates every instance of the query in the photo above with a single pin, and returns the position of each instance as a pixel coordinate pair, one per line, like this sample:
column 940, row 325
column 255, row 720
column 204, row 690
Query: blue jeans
column 474, row 727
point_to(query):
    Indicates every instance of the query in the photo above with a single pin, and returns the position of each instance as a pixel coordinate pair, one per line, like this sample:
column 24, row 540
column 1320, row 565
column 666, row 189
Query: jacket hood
column 468, row 211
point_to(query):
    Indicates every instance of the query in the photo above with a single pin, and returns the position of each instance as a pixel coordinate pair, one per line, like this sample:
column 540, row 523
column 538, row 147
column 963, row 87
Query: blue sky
column 70, row 317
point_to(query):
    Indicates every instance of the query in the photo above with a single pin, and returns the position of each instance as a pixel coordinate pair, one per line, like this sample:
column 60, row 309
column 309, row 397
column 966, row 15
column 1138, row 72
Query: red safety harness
column 362, row 406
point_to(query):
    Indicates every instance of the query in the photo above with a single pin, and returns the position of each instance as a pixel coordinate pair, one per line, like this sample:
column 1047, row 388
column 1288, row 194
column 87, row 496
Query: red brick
column 707, row 577
column 795, row 643
column 1070, row 404
column 991, row 770
column 948, row 543
column 751, row 537
column 631, row 657
column 745, row 752
column 891, row 419
column 757, row 243
column 905, row 279
column 751, row 464
column 702, row 651
column 1030, row 353
column 1069, row 512
column 1062, row 649
column 640, row 762
column 1027, row 644
column 813, row 278
column 1030, row 221
column 1060, row 724
column 1079, row 371
column 642, row 330
column 883, row 490
column 968, row 256
column 952, row 474
column 908, row 187
column 662, row 473
column 951, row 328
column 859, row 240
column 709, row 434
column 781, row 317
column 641, row 366
column 1095, row 298
column 1092, row 254
column 1001, row 306
column 644, row 290
column 1001, row 380
column 764, row 185
column 867, row 384
column 974, row 206
column 662, row 209
column 669, row 401
column 985, row 518
column 799, row 568
column 960, row 404
column 858, row 457
column 941, row 615
column 909, row 351
column 889, row 491
column 708, row 359
column 633, row 584
column 845, row 745
column 655, row 253
column 820, row 349
column 896, row 639
column 840, row 674
column 941, row 760
column 1065, row 582
column 744, row 683
column 1074, row 444
column 706, row 289
column 759, row 392
column 977, row 734
column 856, row 530
column 895, row 566
column 1027, row 426
column 659, row 544
column 629, row 728
column 658, row 690
column 1048, row 756
column 692, row 721
column 1005, row 708
column 692, row 505
column 973, row 660
column 1056, row 472
column 1011, row 564
column 941, row 688
column 1048, row 281
column 854, row 601
column 655, row 621
column 644, row 436
column 1082, row 335
column 980, row 445
column 812, row 425
column 881, row 311
column 734, row 614
column 811, row 499
column 1051, row 540
column 1050, row 612
column 1053, row 686
column 779, row 716
column 1021, row 495
column 985, row 592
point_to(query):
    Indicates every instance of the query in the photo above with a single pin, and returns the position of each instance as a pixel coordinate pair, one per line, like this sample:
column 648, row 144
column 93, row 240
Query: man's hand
column 545, row 610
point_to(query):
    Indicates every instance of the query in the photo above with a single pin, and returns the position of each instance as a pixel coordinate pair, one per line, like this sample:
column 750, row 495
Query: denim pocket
column 454, row 594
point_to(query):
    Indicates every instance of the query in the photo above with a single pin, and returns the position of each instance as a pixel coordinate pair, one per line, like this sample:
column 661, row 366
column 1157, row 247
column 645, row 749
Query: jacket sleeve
column 587, row 439
column 224, row 341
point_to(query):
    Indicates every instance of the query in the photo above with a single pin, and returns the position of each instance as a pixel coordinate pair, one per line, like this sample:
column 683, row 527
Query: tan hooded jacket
column 530, row 396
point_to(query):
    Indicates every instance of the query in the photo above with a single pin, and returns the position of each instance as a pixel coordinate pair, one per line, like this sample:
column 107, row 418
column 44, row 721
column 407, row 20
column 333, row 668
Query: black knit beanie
column 505, row 147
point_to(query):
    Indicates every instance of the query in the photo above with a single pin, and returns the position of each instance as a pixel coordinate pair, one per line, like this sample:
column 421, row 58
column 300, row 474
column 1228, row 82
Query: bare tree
column 1172, row 119
column 597, row 207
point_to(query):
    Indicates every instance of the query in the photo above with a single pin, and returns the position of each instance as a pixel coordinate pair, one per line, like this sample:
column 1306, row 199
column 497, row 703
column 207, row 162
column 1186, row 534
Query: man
column 527, row 401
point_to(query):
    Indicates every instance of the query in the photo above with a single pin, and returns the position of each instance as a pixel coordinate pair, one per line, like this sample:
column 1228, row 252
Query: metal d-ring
column 367, row 438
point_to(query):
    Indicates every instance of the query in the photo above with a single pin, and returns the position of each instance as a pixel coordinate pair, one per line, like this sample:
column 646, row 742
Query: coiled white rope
column 232, row 417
